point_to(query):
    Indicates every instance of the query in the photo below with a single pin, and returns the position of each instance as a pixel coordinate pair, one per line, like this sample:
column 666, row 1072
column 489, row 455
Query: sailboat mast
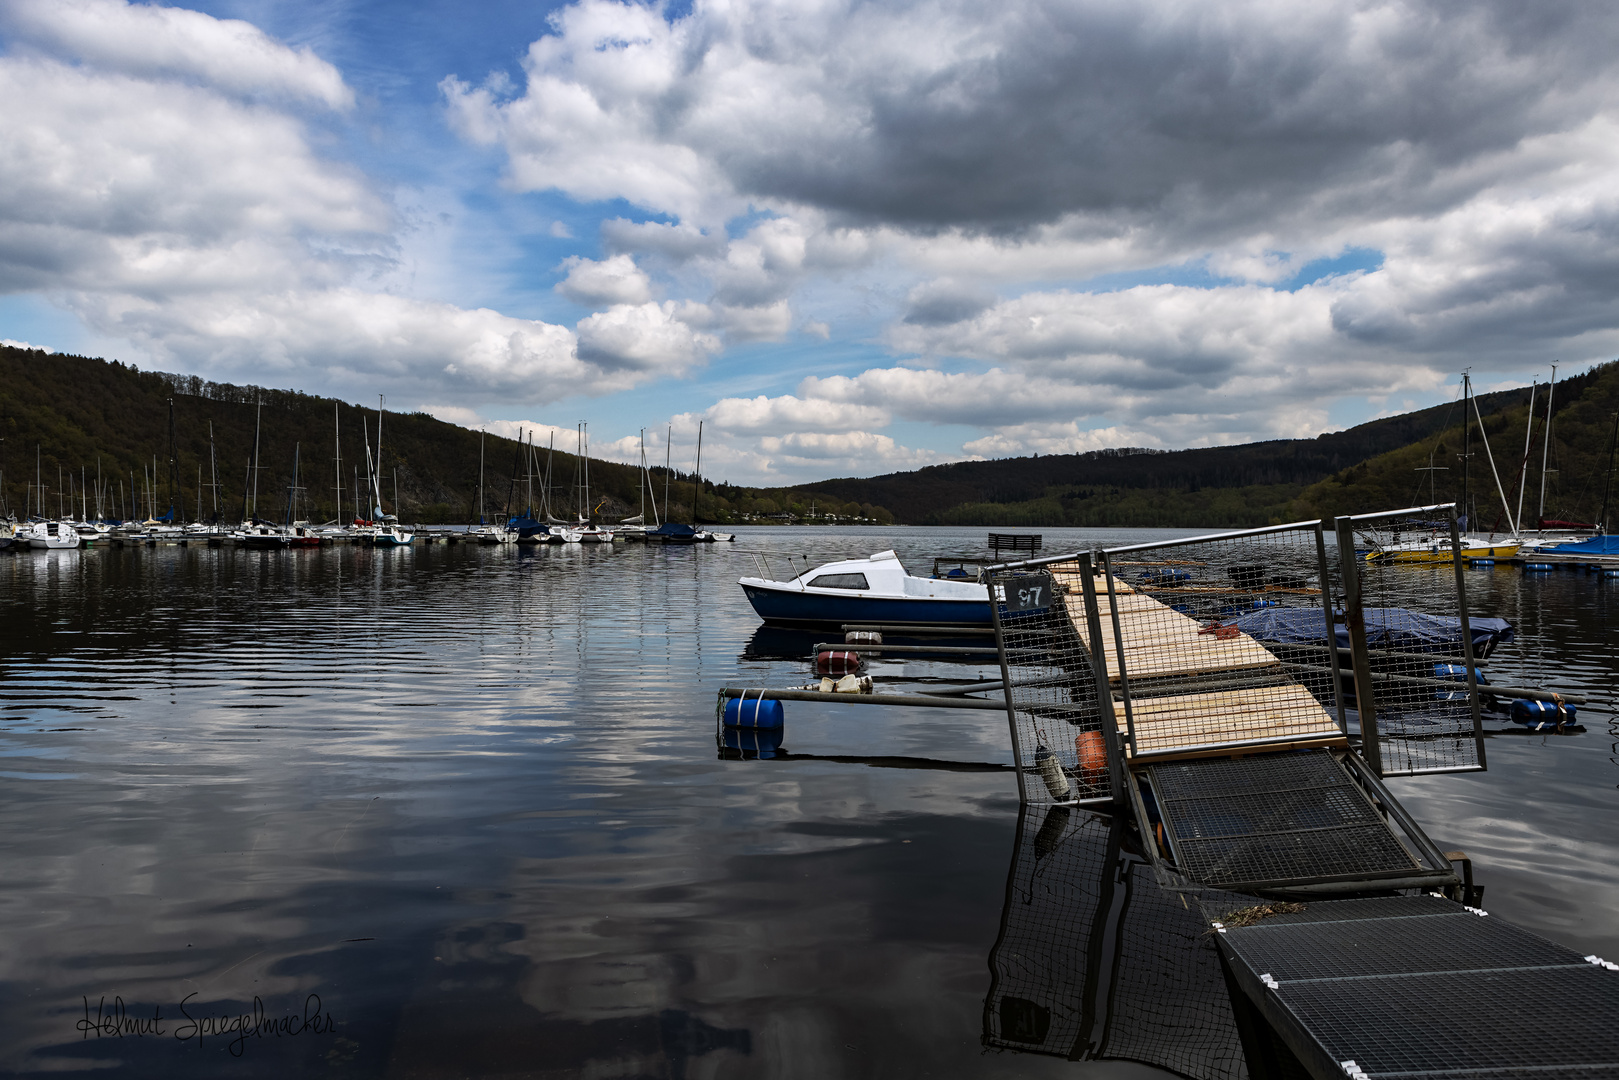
column 642, row 485
column 1546, row 446
column 480, row 477
column 1467, row 445
column 337, row 460
column 174, row 469
column 1528, row 432
column 586, row 508
column 1607, row 490
column 213, row 474
column 1483, row 438
column 258, row 419
column 697, row 480
column 377, row 467
column 668, row 442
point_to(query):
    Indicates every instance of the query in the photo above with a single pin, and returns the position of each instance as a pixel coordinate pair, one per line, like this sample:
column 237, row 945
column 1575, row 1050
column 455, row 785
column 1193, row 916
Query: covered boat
column 876, row 590
column 1395, row 629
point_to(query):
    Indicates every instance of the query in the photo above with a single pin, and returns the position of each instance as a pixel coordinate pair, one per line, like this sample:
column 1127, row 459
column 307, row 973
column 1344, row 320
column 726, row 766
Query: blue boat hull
column 811, row 609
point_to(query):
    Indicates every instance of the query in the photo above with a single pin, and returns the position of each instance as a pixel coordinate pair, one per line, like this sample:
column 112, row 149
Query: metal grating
column 1094, row 961
column 1404, row 609
column 1418, row 986
column 1457, row 1023
column 1272, row 819
column 1223, row 641
column 1062, row 751
column 1391, row 946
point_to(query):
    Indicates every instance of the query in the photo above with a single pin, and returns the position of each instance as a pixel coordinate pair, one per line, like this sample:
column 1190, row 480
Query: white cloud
column 615, row 280
column 150, row 40
column 766, row 415
column 10, row 344
column 650, row 338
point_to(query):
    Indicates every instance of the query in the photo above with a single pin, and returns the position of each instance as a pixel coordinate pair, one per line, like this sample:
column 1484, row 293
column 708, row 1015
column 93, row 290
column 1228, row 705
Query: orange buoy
column 1092, row 750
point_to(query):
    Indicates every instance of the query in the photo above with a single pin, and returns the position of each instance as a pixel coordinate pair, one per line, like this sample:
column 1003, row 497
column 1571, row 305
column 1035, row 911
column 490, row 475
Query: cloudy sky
column 851, row 237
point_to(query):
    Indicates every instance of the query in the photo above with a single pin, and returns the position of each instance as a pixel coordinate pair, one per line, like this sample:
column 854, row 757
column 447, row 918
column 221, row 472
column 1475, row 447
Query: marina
column 446, row 783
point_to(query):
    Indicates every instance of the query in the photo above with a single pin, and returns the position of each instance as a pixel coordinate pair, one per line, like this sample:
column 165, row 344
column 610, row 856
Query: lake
column 454, row 810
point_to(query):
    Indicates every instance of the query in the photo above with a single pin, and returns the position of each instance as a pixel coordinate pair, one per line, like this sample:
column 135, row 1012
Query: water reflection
column 1095, row 961
column 471, row 797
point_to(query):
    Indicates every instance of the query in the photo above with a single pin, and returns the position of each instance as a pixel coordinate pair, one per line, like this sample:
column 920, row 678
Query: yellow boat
column 1436, row 549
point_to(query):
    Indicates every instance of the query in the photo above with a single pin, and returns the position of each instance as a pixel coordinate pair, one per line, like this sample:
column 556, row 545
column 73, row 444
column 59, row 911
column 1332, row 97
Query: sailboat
column 388, row 533
column 636, row 528
column 588, row 532
column 673, row 532
column 483, row 532
column 1432, row 542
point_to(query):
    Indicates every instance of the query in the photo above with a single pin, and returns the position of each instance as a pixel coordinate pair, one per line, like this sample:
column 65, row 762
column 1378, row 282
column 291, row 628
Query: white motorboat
column 877, row 590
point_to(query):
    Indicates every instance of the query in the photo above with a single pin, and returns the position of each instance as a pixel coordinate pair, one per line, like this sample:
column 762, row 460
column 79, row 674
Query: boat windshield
column 840, row 581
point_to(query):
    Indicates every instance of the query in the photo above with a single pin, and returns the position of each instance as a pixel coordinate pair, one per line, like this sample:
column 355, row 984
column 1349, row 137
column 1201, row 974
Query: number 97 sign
column 1029, row 593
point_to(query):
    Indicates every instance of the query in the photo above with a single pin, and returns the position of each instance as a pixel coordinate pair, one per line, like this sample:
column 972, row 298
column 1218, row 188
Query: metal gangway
column 1242, row 697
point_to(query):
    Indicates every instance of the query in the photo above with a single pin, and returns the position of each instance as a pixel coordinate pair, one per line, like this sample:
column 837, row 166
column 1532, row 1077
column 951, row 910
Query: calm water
column 471, row 798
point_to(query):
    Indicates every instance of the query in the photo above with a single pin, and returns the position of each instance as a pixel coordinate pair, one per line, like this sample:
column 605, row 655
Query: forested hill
column 75, row 412
column 1578, row 481
column 80, row 412
column 1251, row 484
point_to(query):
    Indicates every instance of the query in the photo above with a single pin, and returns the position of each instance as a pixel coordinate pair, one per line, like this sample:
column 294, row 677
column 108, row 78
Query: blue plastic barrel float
column 753, row 743
column 1538, row 567
column 1481, row 562
column 1538, row 714
column 759, row 712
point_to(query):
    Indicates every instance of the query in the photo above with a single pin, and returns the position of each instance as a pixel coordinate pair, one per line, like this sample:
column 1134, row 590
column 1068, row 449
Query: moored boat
column 875, row 590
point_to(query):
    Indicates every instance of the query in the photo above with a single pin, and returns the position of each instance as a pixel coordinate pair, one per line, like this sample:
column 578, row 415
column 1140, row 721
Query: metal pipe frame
column 1391, row 806
column 1118, row 649
column 1117, row 775
column 917, row 700
column 1326, row 607
column 1451, row 684
column 1467, row 628
column 1355, row 623
column 1006, row 679
column 953, row 650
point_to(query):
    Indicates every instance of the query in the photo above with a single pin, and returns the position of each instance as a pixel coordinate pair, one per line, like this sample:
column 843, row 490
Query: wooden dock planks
column 1160, row 642
column 1225, row 718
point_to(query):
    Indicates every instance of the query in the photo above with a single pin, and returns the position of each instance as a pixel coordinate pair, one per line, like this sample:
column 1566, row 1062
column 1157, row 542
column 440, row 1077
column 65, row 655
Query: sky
column 850, row 238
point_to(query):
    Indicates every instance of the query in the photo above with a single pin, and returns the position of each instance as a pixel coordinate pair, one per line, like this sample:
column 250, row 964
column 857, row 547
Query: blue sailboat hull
column 794, row 608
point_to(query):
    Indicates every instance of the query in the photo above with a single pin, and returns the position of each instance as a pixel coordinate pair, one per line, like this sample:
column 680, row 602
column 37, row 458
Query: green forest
column 63, row 418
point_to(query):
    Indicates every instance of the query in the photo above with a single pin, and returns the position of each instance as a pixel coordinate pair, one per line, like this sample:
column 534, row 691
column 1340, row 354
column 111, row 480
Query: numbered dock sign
column 1030, row 592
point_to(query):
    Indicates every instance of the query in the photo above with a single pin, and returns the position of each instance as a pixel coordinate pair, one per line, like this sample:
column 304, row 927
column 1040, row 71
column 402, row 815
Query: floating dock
column 1340, row 922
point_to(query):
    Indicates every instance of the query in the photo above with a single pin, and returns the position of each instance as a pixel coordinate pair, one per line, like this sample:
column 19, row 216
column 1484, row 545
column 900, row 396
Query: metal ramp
column 1418, row 986
column 1278, row 822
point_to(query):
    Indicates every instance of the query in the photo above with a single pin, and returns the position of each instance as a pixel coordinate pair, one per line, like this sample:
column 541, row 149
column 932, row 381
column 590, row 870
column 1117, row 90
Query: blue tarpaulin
column 1386, row 628
column 1597, row 545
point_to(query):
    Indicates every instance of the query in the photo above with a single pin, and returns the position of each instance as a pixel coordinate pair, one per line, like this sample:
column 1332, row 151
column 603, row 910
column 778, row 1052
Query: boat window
column 840, row 581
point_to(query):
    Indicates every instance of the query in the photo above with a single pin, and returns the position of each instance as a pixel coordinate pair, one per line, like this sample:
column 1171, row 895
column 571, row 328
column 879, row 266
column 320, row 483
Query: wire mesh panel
column 1094, row 960
column 1220, row 642
column 1410, row 644
column 1064, row 751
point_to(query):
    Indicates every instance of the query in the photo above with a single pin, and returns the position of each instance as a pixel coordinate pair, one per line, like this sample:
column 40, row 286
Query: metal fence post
column 1104, row 689
column 1006, row 682
column 1325, row 572
column 1118, row 652
column 1355, row 623
column 1467, row 637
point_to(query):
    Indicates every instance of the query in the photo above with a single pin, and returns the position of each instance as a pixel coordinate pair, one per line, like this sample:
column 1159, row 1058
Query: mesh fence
column 1094, row 960
column 1220, row 642
column 1410, row 644
column 1063, row 751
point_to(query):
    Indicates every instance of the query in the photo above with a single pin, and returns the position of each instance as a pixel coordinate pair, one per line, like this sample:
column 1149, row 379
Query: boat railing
column 761, row 563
